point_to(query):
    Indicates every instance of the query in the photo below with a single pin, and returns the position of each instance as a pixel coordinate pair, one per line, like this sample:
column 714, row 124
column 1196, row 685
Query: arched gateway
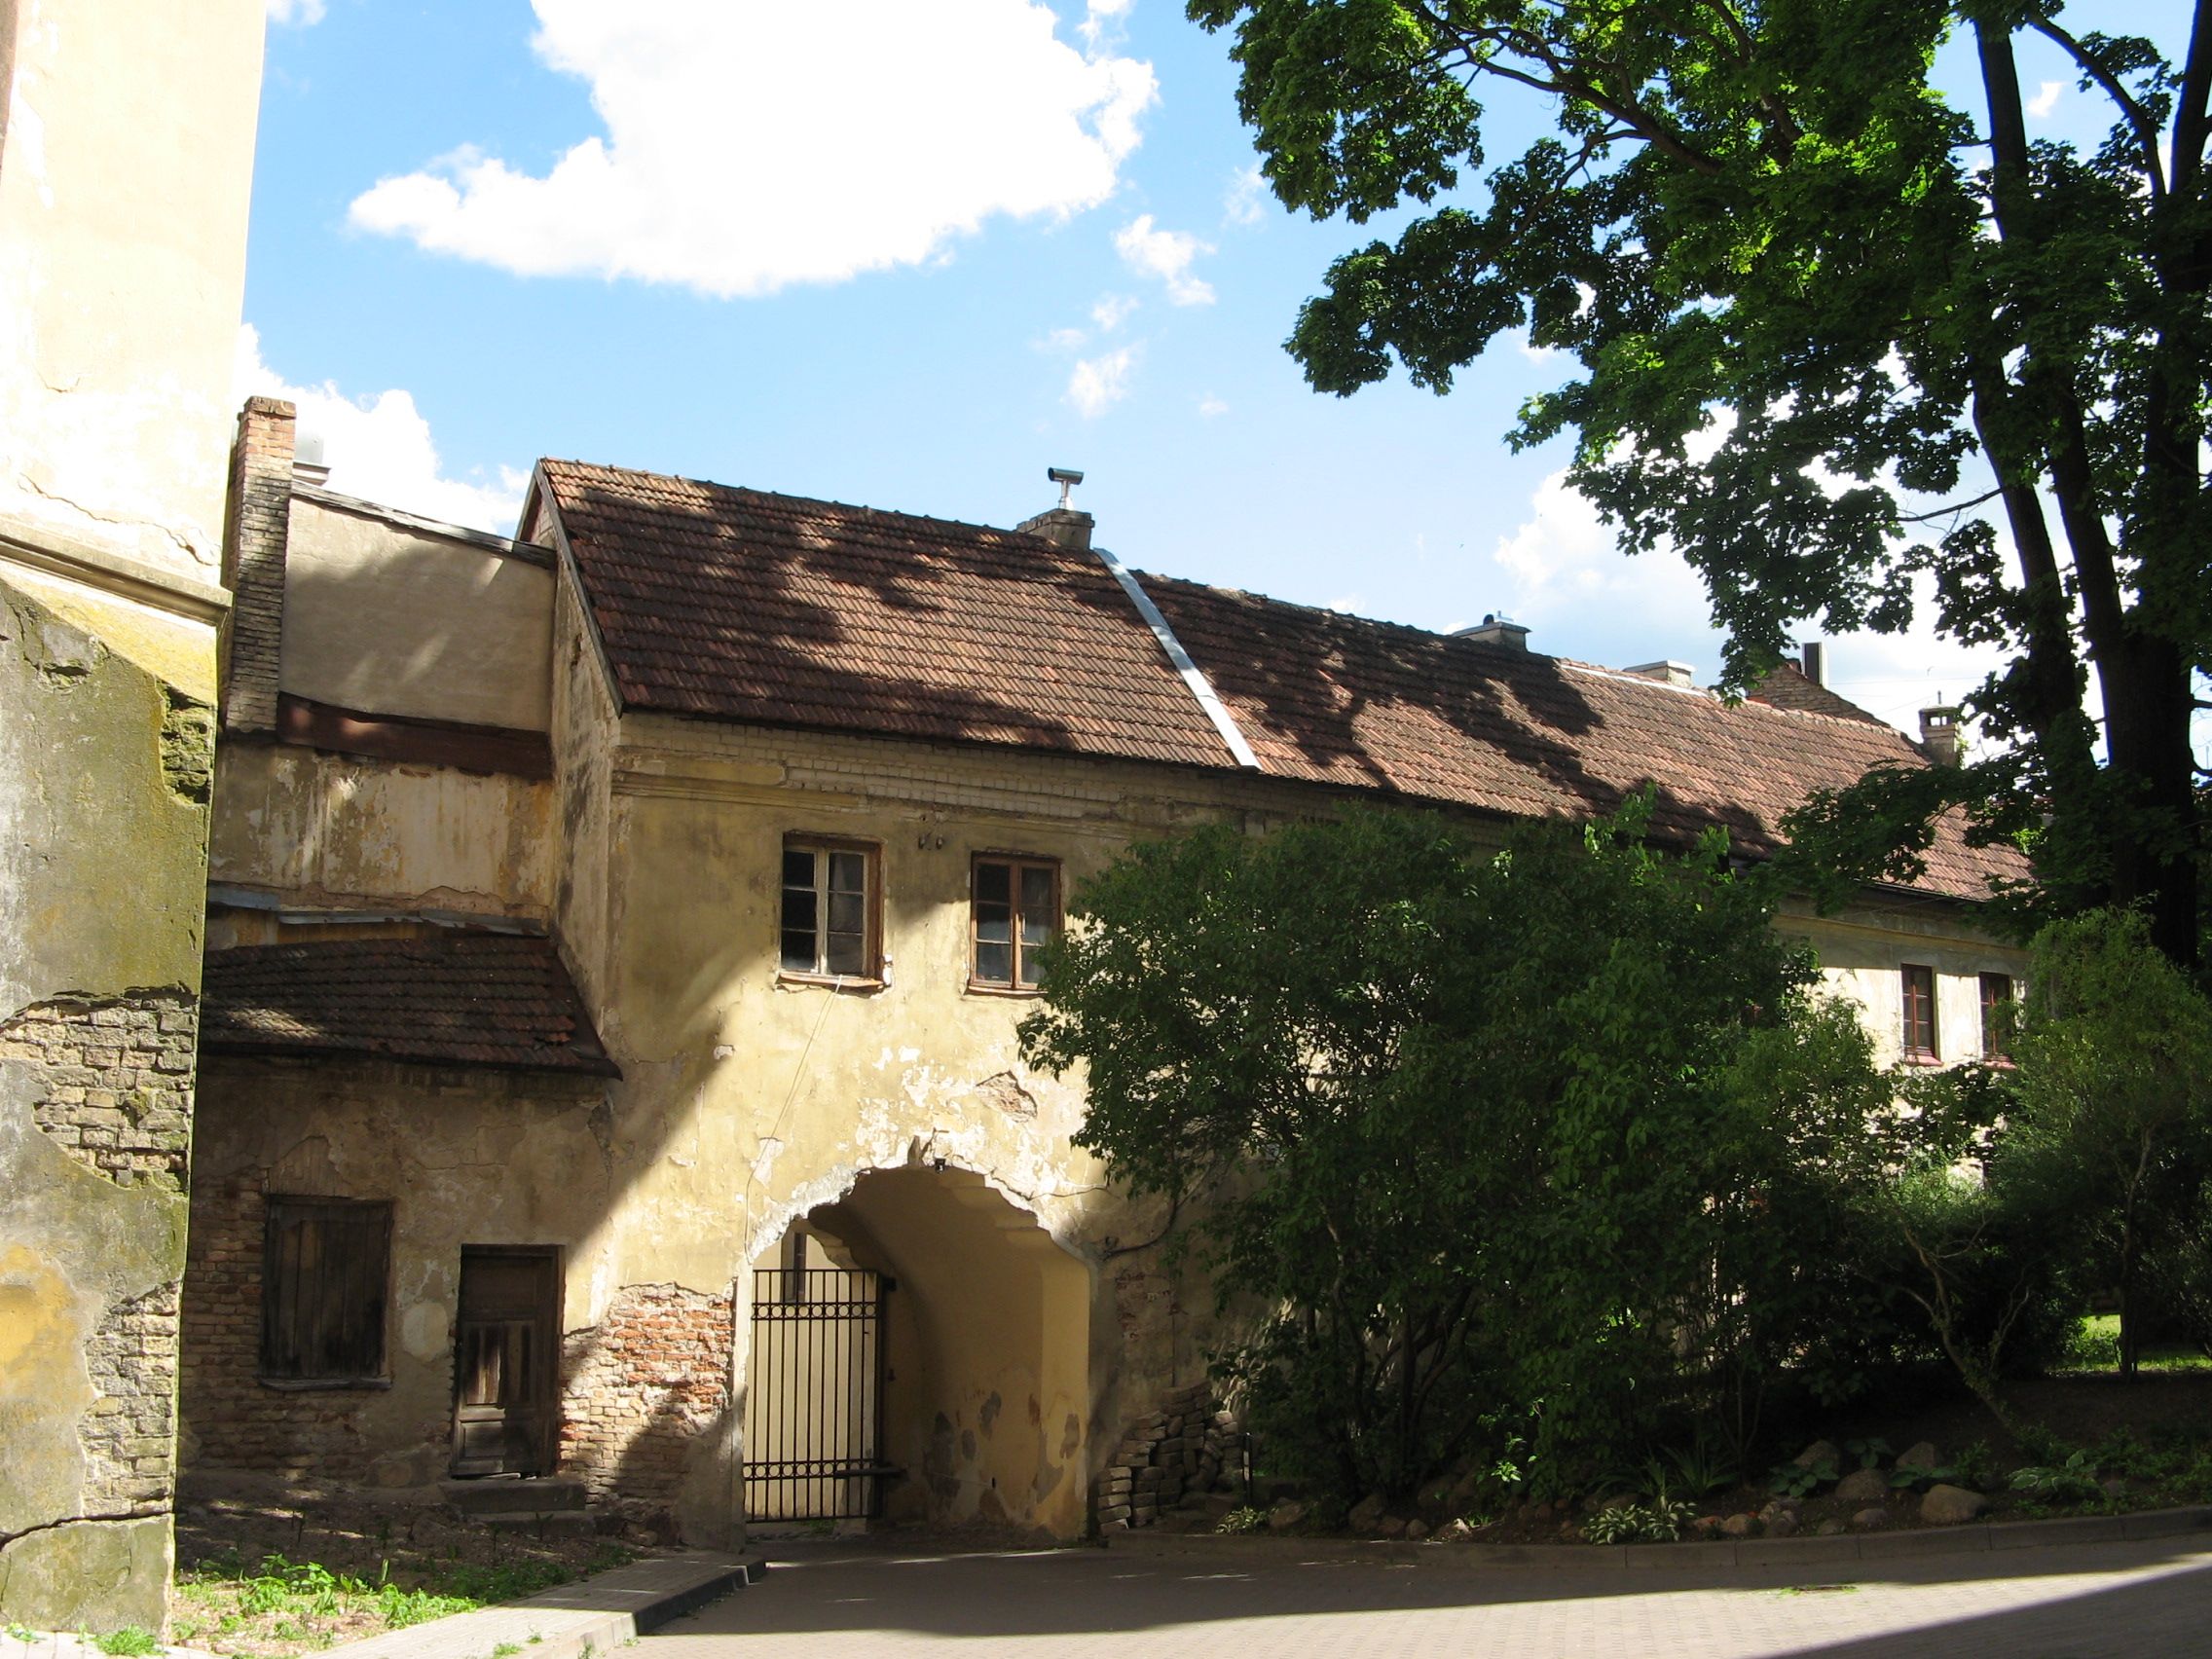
column 919, row 1350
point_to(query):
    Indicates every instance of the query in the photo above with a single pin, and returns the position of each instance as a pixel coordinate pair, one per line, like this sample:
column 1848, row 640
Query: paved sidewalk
column 829, row 1600
column 592, row 1615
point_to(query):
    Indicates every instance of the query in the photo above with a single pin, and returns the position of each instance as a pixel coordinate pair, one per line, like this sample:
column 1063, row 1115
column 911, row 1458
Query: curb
column 594, row 1615
column 1971, row 1537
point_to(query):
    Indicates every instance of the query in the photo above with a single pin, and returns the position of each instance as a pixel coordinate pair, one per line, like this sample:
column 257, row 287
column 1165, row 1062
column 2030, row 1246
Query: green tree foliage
column 1807, row 291
column 2112, row 1112
column 1470, row 1129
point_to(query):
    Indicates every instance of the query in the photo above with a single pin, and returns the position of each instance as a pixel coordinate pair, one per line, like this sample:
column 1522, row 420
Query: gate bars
column 814, row 1399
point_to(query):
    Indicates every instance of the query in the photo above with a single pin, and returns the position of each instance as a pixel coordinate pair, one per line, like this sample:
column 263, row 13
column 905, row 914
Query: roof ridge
column 1028, row 538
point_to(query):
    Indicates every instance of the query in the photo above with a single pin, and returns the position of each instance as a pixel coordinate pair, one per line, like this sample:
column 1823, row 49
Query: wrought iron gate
column 814, row 1399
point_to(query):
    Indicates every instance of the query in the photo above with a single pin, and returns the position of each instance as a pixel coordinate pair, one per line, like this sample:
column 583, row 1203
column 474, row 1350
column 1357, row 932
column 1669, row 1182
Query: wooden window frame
column 1994, row 1048
column 280, row 1293
column 871, row 944
column 1015, row 863
column 1930, row 1052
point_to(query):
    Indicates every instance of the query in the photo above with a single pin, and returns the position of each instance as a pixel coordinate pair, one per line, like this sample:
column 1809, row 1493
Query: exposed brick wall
column 233, row 1420
column 640, row 1389
column 130, row 1434
column 254, row 542
column 117, row 1092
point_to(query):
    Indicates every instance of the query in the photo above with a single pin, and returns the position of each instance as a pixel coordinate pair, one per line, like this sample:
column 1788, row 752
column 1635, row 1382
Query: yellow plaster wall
column 123, row 221
column 336, row 831
column 387, row 618
column 1863, row 949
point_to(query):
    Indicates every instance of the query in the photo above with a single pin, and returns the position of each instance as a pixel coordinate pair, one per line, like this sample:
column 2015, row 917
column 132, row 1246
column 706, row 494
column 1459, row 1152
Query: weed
column 1662, row 1522
column 1245, row 1520
column 1796, row 1480
column 506, row 1650
column 2075, row 1481
column 130, row 1639
column 1869, row 1453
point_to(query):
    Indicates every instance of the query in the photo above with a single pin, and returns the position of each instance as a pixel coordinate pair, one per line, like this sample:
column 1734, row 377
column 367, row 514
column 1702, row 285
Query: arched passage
column 979, row 1394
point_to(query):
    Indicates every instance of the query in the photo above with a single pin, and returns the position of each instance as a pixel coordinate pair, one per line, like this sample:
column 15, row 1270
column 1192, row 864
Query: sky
column 907, row 256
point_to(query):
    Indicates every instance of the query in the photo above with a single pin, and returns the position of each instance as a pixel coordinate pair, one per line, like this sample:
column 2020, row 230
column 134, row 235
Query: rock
column 1569, row 1532
column 1788, row 1506
column 1366, row 1513
column 1611, row 1500
column 1819, row 1453
column 1875, row 1516
column 1391, row 1526
column 2114, row 1488
column 1920, row 1454
column 1948, row 1505
column 1456, row 1532
column 1828, row 1529
column 1779, row 1526
column 1285, row 1515
column 1704, row 1525
column 1862, row 1485
column 1738, row 1526
column 1416, row 1530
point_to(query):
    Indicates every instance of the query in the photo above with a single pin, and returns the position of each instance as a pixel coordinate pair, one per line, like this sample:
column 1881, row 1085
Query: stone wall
column 1187, row 1455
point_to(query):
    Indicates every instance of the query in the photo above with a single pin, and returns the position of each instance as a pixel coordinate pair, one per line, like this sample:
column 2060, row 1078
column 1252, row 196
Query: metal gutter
column 1201, row 689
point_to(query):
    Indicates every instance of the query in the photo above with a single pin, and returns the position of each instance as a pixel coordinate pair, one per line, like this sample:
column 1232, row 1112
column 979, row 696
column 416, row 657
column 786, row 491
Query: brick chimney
column 1063, row 526
column 1496, row 630
column 1941, row 739
column 255, row 533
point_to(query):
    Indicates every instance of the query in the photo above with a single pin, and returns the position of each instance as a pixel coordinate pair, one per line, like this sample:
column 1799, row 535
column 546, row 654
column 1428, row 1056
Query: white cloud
column 751, row 144
column 1110, row 313
column 1166, row 255
column 1063, row 340
column 1562, row 573
column 301, row 11
column 1102, row 23
column 1242, row 204
column 379, row 447
column 2046, row 99
column 1209, row 406
column 1098, row 384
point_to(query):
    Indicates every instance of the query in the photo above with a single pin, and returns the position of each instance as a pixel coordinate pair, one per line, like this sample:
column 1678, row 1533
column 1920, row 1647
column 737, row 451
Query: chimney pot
column 1814, row 660
column 1667, row 673
column 1939, row 736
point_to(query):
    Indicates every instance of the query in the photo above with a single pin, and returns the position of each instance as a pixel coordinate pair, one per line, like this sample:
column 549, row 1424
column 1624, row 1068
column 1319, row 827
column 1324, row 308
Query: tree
column 1806, row 292
column 1473, row 1132
column 2112, row 1103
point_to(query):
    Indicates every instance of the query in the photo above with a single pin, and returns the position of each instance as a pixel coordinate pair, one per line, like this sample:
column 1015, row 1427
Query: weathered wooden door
column 506, row 1360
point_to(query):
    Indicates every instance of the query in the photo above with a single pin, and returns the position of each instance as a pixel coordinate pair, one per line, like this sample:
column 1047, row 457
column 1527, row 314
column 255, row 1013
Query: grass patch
column 277, row 1606
column 2094, row 1346
column 131, row 1639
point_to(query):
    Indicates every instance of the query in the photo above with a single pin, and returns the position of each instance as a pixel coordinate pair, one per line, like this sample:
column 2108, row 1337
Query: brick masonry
column 254, row 544
column 117, row 1075
column 115, row 1092
column 640, row 1390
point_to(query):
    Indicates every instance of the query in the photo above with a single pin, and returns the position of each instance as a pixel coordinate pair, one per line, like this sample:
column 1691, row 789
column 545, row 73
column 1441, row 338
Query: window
column 325, row 1266
column 1997, row 994
column 829, row 912
column 1919, row 1013
column 1017, row 910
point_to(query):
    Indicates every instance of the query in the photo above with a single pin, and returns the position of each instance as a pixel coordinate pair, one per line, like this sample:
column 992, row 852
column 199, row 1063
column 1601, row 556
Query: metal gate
column 814, row 1399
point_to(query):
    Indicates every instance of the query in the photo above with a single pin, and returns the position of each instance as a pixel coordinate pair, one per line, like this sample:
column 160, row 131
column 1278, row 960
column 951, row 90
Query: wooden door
column 506, row 1361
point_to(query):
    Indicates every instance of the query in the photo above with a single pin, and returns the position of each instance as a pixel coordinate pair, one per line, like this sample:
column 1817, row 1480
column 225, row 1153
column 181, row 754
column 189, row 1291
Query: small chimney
column 1941, row 739
column 257, row 529
column 1669, row 673
column 1063, row 526
column 1814, row 661
column 307, row 464
column 1496, row 630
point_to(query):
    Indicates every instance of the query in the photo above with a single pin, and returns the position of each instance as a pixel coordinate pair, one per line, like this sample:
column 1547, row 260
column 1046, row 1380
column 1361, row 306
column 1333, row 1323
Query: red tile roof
column 1788, row 687
column 738, row 605
column 453, row 999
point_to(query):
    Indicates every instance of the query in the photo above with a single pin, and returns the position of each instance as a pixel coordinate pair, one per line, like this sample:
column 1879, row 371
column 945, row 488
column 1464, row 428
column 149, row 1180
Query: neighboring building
column 617, row 940
column 126, row 156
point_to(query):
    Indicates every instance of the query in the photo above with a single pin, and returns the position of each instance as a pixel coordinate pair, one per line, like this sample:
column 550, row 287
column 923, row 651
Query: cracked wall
column 465, row 1156
column 104, row 759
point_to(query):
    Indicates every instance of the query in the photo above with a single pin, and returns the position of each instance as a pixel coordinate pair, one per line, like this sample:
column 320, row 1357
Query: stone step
column 496, row 1495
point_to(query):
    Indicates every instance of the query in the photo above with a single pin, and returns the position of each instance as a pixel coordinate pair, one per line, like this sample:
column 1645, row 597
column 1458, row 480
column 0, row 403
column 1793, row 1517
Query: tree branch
column 2138, row 118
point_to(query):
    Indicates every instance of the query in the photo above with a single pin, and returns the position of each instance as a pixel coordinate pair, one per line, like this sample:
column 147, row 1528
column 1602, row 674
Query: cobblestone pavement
column 1269, row 1597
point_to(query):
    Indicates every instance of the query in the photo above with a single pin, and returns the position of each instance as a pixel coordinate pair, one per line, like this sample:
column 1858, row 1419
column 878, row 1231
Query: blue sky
column 907, row 256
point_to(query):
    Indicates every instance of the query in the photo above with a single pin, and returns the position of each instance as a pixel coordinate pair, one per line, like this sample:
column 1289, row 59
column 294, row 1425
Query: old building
column 126, row 152
column 618, row 936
